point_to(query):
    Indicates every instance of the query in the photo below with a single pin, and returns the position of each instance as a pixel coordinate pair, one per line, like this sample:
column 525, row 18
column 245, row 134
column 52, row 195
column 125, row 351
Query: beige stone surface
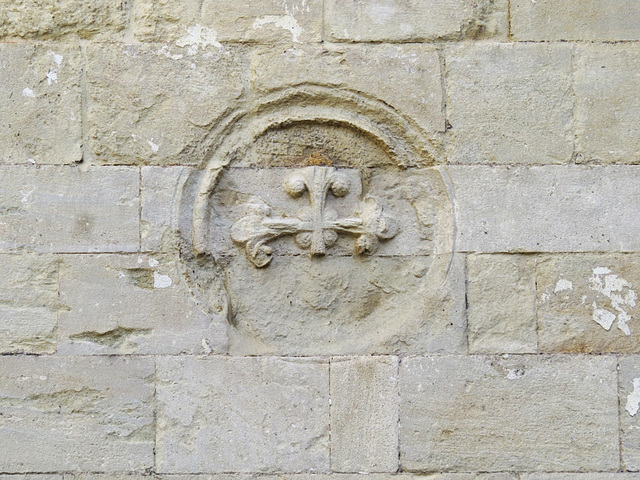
column 509, row 103
column 588, row 303
column 594, row 20
column 348, row 305
column 407, row 77
column 117, row 304
column 28, row 303
column 546, row 208
column 630, row 412
column 247, row 414
column 155, row 103
column 304, row 476
column 69, row 209
column 501, row 299
column 364, row 414
column 415, row 20
column 607, row 104
column 40, row 101
column 61, row 19
column 580, row 476
column 519, row 413
column 261, row 21
column 76, row 413
column 31, row 477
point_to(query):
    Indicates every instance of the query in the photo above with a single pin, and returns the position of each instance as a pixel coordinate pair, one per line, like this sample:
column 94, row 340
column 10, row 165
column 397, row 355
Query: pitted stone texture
column 76, row 413
column 630, row 412
column 262, row 21
column 299, row 476
column 40, row 101
column 161, row 188
column 407, row 77
column 67, row 209
column 364, row 414
column 154, row 104
column 547, row 208
column 501, row 298
column 347, row 305
column 588, row 303
column 60, row 19
column 607, row 104
column 594, row 20
column 415, row 20
column 244, row 414
column 521, row 413
column 509, row 103
column 580, row 476
column 32, row 477
column 134, row 304
column 28, row 303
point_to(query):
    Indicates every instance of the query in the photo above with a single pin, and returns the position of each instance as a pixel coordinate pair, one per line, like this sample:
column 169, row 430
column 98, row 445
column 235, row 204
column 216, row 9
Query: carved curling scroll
column 316, row 227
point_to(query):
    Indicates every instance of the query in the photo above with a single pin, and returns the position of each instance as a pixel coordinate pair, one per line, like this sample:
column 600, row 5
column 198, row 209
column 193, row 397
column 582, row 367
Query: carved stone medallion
column 321, row 225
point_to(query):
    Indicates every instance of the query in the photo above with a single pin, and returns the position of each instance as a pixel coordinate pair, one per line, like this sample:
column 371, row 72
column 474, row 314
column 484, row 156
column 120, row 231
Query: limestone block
column 154, row 103
column 407, row 77
column 364, row 414
column 263, row 21
column 547, row 208
column 580, row 476
column 415, row 20
column 350, row 305
column 509, row 103
column 298, row 476
column 587, row 303
column 161, row 188
column 40, row 101
column 630, row 412
column 519, row 413
column 35, row 19
column 67, row 209
column 594, row 20
column 134, row 304
column 31, row 477
column 501, row 298
column 242, row 414
column 76, row 413
column 28, row 303
column 607, row 103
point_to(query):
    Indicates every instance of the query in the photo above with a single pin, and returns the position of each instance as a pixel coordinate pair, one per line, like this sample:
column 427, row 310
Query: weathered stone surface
column 31, row 477
column 509, row 103
column 587, row 303
column 364, row 414
column 607, row 104
column 40, row 101
column 161, row 188
column 630, row 412
column 302, row 476
column 547, row 209
column 76, row 413
column 40, row 20
column 242, row 414
column 348, row 305
column 68, row 209
column 595, row 20
column 155, row 103
column 407, row 77
column 116, row 304
column 28, row 303
column 501, row 298
column 415, row 20
column 521, row 413
column 580, row 476
column 263, row 21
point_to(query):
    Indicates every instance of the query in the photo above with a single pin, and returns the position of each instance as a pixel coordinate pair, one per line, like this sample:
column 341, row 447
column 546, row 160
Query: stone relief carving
column 316, row 226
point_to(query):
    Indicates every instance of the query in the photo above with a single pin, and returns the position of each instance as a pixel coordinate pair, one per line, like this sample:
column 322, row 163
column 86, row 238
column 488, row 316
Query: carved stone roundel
column 320, row 225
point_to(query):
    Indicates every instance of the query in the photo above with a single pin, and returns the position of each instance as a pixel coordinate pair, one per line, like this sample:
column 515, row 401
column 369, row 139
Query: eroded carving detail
column 316, row 226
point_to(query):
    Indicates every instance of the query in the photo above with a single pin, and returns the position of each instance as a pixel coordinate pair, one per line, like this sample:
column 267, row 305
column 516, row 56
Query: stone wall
column 320, row 239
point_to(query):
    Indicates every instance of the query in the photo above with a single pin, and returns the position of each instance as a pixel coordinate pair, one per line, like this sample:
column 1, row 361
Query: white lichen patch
column 52, row 75
column 199, row 37
column 27, row 92
column 161, row 281
column 286, row 22
column 620, row 294
column 633, row 399
column 562, row 285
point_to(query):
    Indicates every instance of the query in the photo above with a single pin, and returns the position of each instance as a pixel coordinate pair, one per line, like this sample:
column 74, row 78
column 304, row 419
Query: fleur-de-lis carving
column 316, row 226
